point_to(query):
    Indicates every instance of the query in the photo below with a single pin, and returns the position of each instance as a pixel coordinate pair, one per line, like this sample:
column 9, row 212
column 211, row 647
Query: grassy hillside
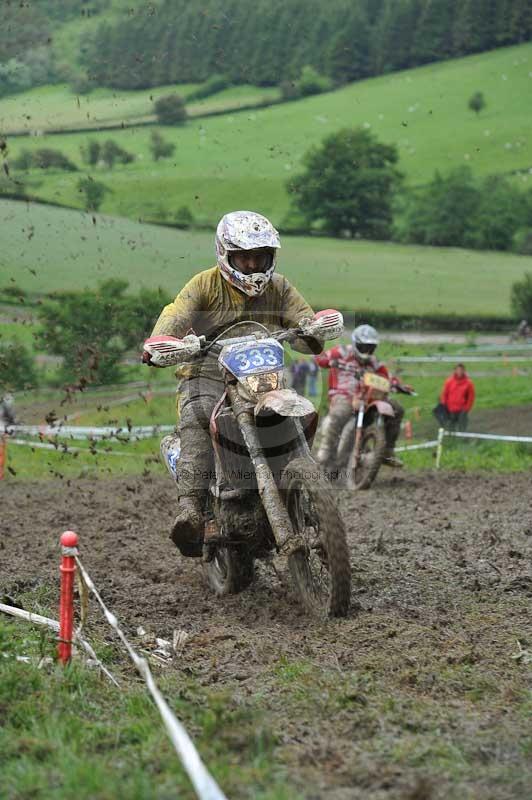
column 58, row 107
column 53, row 107
column 243, row 160
column 46, row 248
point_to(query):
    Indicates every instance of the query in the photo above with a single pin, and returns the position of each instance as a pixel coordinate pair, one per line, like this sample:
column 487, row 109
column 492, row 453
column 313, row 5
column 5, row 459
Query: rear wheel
column 320, row 567
column 362, row 472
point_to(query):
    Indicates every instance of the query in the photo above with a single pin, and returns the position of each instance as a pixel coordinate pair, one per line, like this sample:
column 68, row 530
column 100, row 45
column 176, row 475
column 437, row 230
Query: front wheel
column 320, row 568
column 229, row 570
column 362, row 472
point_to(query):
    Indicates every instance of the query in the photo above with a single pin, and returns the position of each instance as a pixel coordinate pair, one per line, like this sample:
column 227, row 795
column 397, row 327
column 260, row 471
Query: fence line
column 502, row 348
column 54, row 625
column 442, row 433
column 423, row 445
column 203, row 782
column 91, row 432
column 67, row 449
column 460, row 359
column 496, row 436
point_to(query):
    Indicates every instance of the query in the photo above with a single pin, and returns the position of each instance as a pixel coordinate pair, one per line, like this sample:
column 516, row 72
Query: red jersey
column 341, row 381
column 458, row 394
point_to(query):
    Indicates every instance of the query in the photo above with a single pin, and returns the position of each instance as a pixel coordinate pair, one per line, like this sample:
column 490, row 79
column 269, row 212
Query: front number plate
column 376, row 382
column 253, row 358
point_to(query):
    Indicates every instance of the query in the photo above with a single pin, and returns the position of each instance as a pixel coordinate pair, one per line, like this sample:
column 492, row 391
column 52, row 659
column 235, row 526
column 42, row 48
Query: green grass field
column 46, row 249
column 119, row 745
column 243, row 160
column 16, row 331
column 58, row 107
column 53, row 107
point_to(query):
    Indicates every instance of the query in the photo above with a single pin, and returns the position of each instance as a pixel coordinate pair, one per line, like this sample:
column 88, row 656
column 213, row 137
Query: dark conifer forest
column 269, row 41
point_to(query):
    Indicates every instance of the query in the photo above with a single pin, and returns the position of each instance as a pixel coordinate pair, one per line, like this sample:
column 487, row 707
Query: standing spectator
column 524, row 330
column 299, row 372
column 7, row 412
column 312, row 378
column 456, row 399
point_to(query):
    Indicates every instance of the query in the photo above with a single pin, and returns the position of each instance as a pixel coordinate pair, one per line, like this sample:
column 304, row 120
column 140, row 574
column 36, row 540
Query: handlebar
column 358, row 372
column 167, row 351
column 283, row 335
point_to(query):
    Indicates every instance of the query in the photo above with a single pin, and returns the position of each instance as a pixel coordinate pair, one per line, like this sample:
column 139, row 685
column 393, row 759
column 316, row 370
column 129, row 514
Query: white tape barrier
column 496, row 437
column 91, row 432
column 442, row 433
column 69, row 449
column 421, row 446
column 438, row 443
column 54, row 625
column 501, row 348
column 460, row 359
column 203, row 782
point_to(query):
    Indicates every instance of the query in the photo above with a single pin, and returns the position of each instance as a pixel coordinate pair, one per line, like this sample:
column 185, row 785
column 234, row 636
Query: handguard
column 324, row 325
column 166, row 351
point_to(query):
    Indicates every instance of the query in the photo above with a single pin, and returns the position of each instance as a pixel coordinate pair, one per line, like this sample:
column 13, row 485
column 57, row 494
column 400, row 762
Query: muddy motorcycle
column 362, row 444
column 266, row 495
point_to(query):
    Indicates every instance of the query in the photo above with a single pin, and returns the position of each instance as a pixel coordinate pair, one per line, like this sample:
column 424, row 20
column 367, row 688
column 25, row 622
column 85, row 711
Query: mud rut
column 442, row 573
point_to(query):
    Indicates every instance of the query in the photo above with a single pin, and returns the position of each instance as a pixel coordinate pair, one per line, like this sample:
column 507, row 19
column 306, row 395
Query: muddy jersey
column 208, row 305
column 341, row 381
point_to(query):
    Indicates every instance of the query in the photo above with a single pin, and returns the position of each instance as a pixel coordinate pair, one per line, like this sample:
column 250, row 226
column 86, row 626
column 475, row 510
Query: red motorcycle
column 362, row 445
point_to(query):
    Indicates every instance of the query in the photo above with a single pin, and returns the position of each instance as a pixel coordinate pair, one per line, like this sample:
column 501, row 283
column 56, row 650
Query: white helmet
column 245, row 230
column 365, row 340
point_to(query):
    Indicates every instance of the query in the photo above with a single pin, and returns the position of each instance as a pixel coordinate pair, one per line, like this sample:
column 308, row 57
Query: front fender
column 383, row 408
column 285, row 402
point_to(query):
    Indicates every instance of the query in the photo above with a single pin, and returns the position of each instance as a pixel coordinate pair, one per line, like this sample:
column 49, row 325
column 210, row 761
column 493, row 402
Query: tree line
column 26, row 35
column 352, row 186
column 176, row 41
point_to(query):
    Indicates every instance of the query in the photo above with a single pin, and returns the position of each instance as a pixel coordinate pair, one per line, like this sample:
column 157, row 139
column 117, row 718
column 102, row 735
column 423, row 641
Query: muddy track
column 442, row 576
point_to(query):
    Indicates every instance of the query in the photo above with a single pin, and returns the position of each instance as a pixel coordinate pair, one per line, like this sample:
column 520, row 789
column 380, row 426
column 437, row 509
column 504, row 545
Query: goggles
column 367, row 348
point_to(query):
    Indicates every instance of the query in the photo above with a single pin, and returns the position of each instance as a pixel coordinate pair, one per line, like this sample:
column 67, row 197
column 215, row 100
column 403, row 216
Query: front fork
column 358, row 432
column 278, row 518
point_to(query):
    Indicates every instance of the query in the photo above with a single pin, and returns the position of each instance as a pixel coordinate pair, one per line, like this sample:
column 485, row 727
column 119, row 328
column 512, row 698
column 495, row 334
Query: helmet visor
column 366, row 348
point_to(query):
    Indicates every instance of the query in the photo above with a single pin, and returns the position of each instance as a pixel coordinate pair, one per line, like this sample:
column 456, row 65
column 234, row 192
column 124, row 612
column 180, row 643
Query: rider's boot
column 188, row 527
column 324, row 453
column 390, row 459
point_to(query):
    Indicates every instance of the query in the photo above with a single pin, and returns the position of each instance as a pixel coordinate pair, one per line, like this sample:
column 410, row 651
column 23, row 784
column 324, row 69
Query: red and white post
column 69, row 541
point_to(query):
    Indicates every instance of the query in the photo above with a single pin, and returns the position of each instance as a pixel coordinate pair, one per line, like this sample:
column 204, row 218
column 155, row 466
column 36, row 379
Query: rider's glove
column 167, row 351
column 328, row 324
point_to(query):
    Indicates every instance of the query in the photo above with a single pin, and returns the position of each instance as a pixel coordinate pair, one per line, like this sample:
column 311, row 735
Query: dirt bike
column 267, row 495
column 362, row 444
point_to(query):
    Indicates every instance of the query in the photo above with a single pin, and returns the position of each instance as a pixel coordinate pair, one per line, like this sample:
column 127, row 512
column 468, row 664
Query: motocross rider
column 242, row 286
column 344, row 386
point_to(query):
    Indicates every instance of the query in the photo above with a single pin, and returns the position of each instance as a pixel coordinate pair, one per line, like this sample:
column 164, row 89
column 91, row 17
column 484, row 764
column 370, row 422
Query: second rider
column 343, row 361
